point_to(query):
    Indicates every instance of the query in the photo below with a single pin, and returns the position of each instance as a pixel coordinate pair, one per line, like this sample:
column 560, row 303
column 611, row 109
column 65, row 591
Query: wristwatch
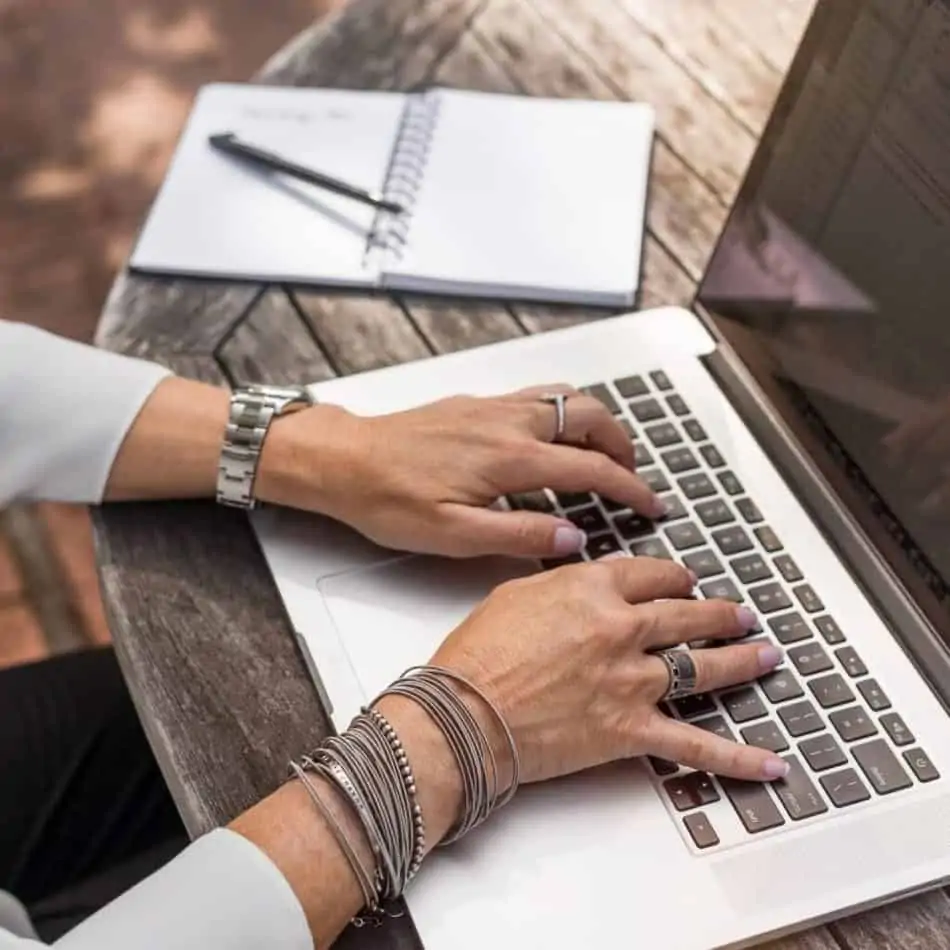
column 253, row 409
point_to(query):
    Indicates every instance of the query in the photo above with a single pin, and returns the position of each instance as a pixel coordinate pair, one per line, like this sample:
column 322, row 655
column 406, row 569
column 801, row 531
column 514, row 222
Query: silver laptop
column 763, row 417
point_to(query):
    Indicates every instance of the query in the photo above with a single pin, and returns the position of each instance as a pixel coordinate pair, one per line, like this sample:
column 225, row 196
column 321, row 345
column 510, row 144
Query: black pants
column 84, row 812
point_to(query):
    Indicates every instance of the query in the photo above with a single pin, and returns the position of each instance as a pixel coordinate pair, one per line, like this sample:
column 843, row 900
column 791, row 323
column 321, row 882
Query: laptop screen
column 832, row 277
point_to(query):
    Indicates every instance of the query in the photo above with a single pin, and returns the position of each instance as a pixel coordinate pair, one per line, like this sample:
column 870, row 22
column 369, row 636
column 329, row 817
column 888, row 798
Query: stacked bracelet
column 368, row 766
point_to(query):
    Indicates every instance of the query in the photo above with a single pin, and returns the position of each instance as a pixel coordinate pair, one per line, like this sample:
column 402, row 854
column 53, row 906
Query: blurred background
column 94, row 95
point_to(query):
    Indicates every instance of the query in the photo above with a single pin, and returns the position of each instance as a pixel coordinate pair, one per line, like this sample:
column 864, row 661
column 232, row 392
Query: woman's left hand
column 424, row 480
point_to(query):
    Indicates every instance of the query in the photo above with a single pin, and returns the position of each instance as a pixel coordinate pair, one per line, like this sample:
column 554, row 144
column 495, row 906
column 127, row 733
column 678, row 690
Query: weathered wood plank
column 273, row 344
column 696, row 127
column 714, row 51
column 683, row 213
column 447, row 327
column 775, row 27
column 919, row 923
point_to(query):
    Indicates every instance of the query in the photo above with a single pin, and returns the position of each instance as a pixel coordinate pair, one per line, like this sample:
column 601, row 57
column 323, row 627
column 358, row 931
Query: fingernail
column 614, row 555
column 569, row 540
column 659, row 508
column 747, row 619
column 694, row 577
column 769, row 657
column 774, row 769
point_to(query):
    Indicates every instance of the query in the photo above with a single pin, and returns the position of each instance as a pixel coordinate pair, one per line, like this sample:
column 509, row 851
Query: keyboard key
column 765, row 735
column 642, row 453
column 604, row 396
column 822, row 752
column 852, row 663
column 873, row 695
column 788, row 568
column 677, row 405
column 922, row 767
column 844, row 788
column 661, row 380
column 631, row 435
column 721, row 589
column 674, row 508
column 768, row 539
column 574, row 499
column 714, row 512
column 632, row 387
column 590, row 520
column 601, row 546
column 769, row 597
column 753, row 804
column 680, row 460
column 662, row 766
column 532, row 501
column 897, row 729
column 831, row 691
column 711, row 456
column 800, row 719
column 663, row 435
column 751, row 568
column 699, row 704
column 881, row 767
column 829, row 629
column 700, row 830
column 732, row 540
column 647, row 410
column 730, row 484
column 691, row 790
column 651, row 547
column 797, row 792
column 743, row 704
column 611, row 505
column 685, row 535
column 656, row 479
column 696, row 486
column 694, row 430
column 810, row 658
column 853, row 723
column 717, row 726
column 790, row 628
column 780, row 686
column 808, row 598
column 633, row 526
column 704, row 564
column 749, row 510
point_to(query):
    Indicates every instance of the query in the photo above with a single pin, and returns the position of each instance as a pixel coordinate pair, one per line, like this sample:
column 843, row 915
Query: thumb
column 516, row 533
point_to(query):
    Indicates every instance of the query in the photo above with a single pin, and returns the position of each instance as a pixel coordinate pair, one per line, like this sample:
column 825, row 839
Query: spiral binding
column 404, row 177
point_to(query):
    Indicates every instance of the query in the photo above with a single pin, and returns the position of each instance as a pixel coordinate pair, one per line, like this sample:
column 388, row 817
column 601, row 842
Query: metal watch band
column 253, row 408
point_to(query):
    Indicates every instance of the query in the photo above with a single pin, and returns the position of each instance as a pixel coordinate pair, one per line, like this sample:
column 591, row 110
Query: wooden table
column 224, row 695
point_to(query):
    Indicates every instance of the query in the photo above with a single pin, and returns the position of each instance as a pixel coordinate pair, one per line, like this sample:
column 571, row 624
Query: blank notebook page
column 216, row 214
column 528, row 194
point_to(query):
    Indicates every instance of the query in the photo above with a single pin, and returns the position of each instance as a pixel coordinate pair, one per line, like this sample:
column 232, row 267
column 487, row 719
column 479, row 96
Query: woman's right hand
column 568, row 658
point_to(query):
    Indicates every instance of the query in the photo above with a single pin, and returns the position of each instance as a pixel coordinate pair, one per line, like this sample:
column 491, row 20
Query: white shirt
column 64, row 410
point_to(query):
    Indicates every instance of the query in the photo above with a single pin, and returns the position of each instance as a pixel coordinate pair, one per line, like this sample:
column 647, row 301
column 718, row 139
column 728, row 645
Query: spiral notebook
column 505, row 196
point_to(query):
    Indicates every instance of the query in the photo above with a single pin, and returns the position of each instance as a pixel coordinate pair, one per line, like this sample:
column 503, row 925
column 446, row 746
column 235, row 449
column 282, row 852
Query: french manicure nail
column 747, row 619
column 694, row 578
column 774, row 769
column 659, row 508
column 569, row 540
column 769, row 657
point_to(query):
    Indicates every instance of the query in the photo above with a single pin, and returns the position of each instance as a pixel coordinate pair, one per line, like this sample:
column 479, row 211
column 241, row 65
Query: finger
column 565, row 468
column 536, row 392
column 481, row 531
column 683, row 621
column 715, row 669
column 639, row 579
column 698, row 749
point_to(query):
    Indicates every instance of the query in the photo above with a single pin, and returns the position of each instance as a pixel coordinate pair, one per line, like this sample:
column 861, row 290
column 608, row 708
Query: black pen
column 230, row 143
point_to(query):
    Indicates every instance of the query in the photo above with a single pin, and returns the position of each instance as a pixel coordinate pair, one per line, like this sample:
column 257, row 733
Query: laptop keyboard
column 823, row 710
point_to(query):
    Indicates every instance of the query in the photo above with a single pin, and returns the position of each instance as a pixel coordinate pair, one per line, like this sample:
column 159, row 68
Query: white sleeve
column 64, row 410
column 222, row 893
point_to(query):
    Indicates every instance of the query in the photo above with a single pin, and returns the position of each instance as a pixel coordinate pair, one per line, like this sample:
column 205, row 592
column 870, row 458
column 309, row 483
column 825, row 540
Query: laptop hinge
column 913, row 630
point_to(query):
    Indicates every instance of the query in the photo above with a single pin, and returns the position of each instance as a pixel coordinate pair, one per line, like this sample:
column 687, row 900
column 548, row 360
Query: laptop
column 764, row 415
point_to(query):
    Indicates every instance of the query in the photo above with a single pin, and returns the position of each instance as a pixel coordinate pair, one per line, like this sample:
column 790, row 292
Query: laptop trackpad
column 395, row 614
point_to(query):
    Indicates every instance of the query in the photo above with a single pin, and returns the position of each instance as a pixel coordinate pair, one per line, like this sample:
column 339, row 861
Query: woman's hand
column 567, row 657
column 424, row 479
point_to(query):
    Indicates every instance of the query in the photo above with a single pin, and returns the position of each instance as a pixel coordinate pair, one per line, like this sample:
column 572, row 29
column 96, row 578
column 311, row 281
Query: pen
column 230, row 143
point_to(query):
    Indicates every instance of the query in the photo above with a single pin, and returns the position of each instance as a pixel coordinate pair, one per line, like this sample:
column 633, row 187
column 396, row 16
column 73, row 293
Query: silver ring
column 559, row 401
column 682, row 669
